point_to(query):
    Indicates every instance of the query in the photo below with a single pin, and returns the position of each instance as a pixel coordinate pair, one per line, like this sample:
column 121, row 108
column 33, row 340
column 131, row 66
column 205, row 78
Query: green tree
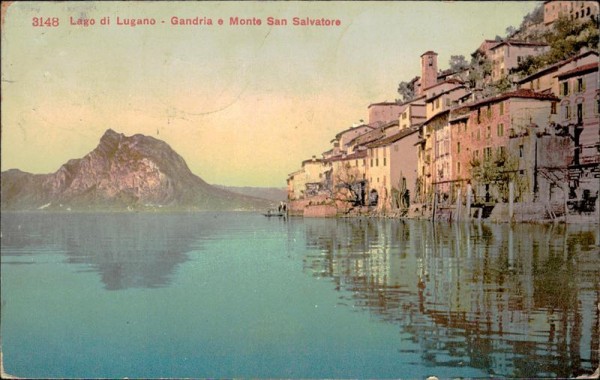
column 458, row 62
column 406, row 90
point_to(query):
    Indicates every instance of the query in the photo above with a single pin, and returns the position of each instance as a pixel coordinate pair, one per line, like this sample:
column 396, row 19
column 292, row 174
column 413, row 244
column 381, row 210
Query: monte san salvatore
column 122, row 173
column 511, row 135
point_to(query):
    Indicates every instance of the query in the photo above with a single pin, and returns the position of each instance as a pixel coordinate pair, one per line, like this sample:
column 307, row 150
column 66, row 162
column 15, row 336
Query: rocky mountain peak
column 122, row 171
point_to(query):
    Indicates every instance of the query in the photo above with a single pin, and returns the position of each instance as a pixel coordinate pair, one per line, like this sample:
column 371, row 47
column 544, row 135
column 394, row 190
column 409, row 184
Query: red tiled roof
column 414, row 100
column 579, row 70
column 350, row 129
column 436, row 116
column 520, row 93
column 315, row 160
column 451, row 81
column 444, row 93
column 384, row 104
column 429, row 52
column 393, row 138
column 352, row 156
column 518, row 42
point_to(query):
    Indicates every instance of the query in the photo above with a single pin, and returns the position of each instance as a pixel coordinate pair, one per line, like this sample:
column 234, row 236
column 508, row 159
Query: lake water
column 241, row 295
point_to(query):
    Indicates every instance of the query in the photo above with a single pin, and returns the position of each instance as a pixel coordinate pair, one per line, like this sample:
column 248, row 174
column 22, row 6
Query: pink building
column 575, row 10
column 384, row 113
column 489, row 139
column 341, row 140
column 507, row 55
column 485, row 48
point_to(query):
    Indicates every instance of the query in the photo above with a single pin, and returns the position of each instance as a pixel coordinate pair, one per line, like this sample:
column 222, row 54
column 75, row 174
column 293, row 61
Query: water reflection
column 513, row 301
column 127, row 250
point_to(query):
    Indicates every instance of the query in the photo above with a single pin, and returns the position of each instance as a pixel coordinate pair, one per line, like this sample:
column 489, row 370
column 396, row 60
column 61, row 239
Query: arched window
column 566, row 110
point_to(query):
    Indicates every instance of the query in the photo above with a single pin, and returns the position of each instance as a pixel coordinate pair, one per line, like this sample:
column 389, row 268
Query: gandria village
column 511, row 136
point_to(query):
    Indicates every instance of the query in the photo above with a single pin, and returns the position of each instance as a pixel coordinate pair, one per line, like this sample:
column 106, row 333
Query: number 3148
column 45, row 21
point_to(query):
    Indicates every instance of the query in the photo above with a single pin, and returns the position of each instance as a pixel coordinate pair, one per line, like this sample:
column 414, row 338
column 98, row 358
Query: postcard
column 201, row 189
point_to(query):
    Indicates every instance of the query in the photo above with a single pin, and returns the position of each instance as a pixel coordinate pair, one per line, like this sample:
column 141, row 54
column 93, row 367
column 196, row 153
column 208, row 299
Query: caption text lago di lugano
column 85, row 22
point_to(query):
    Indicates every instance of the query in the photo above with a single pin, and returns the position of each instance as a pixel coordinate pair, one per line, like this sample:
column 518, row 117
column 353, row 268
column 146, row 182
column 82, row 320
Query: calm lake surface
column 241, row 295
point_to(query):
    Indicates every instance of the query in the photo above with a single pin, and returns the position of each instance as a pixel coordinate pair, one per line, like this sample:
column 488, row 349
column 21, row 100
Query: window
column 384, row 161
column 489, row 111
column 371, row 162
column 476, row 154
column 564, row 88
column 580, row 113
column 437, row 103
column 500, row 130
column 501, row 151
column 458, row 167
column 489, row 132
column 479, row 134
column 377, row 164
column 567, row 112
column 501, row 108
column 458, row 147
column 478, row 115
column 487, row 153
column 580, row 85
column 521, row 151
column 553, row 108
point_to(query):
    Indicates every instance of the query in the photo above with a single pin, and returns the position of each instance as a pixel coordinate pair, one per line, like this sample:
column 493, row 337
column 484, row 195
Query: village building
column 578, row 91
column 341, row 140
column 413, row 114
column 545, row 79
column 491, row 147
column 507, row 55
column 309, row 180
column 574, row 10
column 579, row 118
column 485, row 49
column 346, row 179
column 295, row 185
column 391, row 170
column 384, row 113
column 431, row 155
column 443, row 96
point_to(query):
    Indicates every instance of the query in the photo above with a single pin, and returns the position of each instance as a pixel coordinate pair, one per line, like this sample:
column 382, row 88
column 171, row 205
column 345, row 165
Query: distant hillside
column 270, row 193
column 136, row 173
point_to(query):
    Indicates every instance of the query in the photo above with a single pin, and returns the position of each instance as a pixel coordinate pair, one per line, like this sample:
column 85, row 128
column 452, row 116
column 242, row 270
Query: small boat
column 272, row 212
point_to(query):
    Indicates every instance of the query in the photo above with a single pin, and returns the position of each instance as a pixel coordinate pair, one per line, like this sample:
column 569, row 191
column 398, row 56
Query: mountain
column 136, row 172
column 271, row 193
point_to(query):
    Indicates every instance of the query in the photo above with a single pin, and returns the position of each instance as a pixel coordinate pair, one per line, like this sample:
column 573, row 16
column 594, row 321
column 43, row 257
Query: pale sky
column 243, row 105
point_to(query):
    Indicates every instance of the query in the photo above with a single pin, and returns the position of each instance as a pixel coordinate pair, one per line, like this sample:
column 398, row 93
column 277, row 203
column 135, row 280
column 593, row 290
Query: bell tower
column 428, row 69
